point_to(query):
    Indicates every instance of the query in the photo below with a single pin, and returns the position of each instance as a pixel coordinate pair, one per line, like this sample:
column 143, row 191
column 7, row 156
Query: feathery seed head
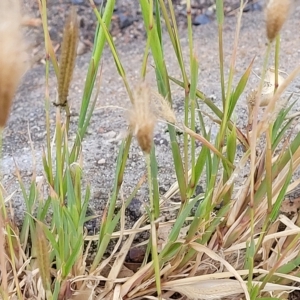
column 67, row 58
column 162, row 108
column 276, row 14
column 141, row 119
column 13, row 59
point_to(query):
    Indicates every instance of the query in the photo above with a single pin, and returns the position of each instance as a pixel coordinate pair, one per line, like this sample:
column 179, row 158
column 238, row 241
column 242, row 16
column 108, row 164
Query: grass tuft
column 235, row 228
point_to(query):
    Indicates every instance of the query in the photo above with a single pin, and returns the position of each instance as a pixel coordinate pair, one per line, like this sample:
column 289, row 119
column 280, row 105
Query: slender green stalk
column 225, row 119
column 154, row 251
column 190, row 29
column 269, row 169
column 173, row 30
column 220, row 19
column 145, row 59
column 94, row 64
column 49, row 54
column 113, row 49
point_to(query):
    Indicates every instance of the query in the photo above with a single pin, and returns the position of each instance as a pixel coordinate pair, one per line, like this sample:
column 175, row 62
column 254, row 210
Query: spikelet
column 141, row 119
column 68, row 57
column 42, row 254
column 13, row 59
column 277, row 12
column 162, row 108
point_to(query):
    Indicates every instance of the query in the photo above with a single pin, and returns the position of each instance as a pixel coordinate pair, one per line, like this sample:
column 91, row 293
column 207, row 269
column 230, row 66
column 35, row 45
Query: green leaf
column 277, row 205
column 239, row 90
column 181, row 218
column 199, row 167
column 95, row 60
column 72, row 258
column 231, row 144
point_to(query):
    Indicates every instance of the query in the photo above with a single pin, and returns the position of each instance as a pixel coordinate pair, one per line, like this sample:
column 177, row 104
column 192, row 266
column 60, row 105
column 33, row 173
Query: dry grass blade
column 136, row 279
column 83, row 295
column 213, row 255
column 3, row 259
column 206, row 289
column 68, row 56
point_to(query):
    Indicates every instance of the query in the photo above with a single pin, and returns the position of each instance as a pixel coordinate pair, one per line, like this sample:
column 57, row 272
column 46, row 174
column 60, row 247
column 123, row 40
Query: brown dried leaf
column 206, row 289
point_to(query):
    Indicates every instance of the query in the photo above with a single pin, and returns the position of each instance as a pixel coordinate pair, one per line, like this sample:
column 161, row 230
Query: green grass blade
column 239, row 90
column 94, row 63
column 281, row 196
column 178, row 225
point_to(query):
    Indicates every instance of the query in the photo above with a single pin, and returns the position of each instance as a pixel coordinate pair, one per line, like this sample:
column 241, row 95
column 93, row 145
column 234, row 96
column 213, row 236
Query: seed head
column 13, row 59
column 68, row 56
column 276, row 14
column 162, row 108
column 141, row 118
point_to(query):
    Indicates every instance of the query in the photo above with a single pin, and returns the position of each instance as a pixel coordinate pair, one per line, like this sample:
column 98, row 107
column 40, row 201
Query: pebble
column 253, row 7
column 101, row 161
column 201, row 20
column 39, row 179
column 124, row 20
column 81, row 48
column 109, row 135
column 135, row 208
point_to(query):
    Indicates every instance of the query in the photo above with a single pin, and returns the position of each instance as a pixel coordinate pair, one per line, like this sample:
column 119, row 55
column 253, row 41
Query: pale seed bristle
column 68, row 57
column 277, row 12
column 141, row 119
column 13, row 58
column 162, row 108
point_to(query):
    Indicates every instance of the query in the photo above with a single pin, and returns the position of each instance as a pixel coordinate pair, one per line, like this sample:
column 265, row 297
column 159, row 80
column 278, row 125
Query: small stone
column 77, row 2
column 134, row 209
column 124, row 20
column 253, row 7
column 201, row 20
column 199, row 190
column 81, row 48
column 109, row 135
column 39, row 179
column 101, row 161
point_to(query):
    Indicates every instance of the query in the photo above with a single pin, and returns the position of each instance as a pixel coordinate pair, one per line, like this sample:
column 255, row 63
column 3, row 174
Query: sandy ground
column 108, row 125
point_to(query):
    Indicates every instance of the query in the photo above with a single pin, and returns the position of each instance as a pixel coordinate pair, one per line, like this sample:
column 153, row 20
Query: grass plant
column 226, row 242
